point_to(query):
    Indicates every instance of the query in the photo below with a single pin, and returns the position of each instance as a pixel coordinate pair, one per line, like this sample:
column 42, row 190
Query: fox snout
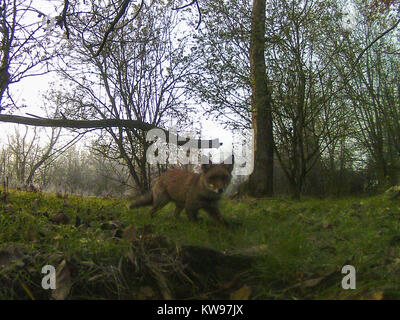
column 216, row 189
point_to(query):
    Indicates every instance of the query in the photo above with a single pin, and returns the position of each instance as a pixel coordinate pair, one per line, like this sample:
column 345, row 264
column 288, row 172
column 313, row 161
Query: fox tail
column 144, row 200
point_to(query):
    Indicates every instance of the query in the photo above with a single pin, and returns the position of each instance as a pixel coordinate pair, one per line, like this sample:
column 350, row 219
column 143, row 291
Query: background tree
column 27, row 153
column 139, row 75
column 25, row 45
column 308, row 117
column 221, row 55
column 371, row 84
column 261, row 180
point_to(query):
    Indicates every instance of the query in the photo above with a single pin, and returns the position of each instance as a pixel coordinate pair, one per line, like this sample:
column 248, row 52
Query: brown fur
column 189, row 191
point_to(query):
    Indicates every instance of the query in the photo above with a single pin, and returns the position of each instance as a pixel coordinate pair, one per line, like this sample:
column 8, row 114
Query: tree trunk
column 295, row 189
column 261, row 180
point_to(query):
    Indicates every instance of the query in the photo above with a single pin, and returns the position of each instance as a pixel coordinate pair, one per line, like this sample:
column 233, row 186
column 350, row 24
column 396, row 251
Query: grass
column 300, row 246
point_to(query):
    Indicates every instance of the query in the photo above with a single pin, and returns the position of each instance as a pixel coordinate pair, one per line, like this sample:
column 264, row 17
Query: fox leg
column 215, row 214
column 158, row 205
column 191, row 213
column 160, row 199
column 178, row 210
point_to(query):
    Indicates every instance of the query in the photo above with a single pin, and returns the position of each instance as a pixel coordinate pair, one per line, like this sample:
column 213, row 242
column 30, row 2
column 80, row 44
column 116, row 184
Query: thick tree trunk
column 295, row 189
column 261, row 180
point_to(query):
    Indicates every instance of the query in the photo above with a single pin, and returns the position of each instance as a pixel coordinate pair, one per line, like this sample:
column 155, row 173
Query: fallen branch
column 107, row 123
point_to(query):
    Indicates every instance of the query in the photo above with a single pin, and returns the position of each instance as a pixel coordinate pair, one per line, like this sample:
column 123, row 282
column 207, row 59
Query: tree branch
column 107, row 123
column 62, row 20
column 198, row 10
column 110, row 29
column 375, row 40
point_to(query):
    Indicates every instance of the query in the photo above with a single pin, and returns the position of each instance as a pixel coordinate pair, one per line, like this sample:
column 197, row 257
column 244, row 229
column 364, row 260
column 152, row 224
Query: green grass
column 302, row 245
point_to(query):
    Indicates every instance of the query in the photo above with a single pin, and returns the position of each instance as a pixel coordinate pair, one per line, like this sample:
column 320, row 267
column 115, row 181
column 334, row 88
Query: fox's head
column 217, row 176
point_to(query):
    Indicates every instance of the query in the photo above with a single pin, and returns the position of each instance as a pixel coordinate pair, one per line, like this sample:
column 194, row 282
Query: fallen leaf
column 145, row 292
column 253, row 251
column 326, row 225
column 63, row 281
column 9, row 208
column 314, row 282
column 96, row 277
column 59, row 218
column 241, row 294
column 129, row 233
column 109, row 225
column 377, row 295
column 329, row 249
column 392, row 193
column 311, row 282
column 162, row 284
column 11, row 256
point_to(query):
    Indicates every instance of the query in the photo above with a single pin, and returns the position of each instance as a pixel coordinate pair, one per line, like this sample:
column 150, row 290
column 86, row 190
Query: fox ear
column 229, row 166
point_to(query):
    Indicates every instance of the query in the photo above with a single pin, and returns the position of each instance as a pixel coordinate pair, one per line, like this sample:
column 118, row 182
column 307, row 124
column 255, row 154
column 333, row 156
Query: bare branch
column 62, row 20
column 107, row 123
column 375, row 40
column 198, row 10
column 110, row 29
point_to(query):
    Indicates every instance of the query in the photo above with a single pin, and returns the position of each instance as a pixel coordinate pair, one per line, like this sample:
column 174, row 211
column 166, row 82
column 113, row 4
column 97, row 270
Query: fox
column 190, row 191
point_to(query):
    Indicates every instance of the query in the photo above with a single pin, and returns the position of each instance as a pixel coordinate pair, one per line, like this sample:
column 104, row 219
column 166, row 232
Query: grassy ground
column 296, row 249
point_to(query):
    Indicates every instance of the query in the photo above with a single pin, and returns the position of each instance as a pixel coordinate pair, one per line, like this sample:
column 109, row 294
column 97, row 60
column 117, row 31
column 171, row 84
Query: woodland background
column 329, row 123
